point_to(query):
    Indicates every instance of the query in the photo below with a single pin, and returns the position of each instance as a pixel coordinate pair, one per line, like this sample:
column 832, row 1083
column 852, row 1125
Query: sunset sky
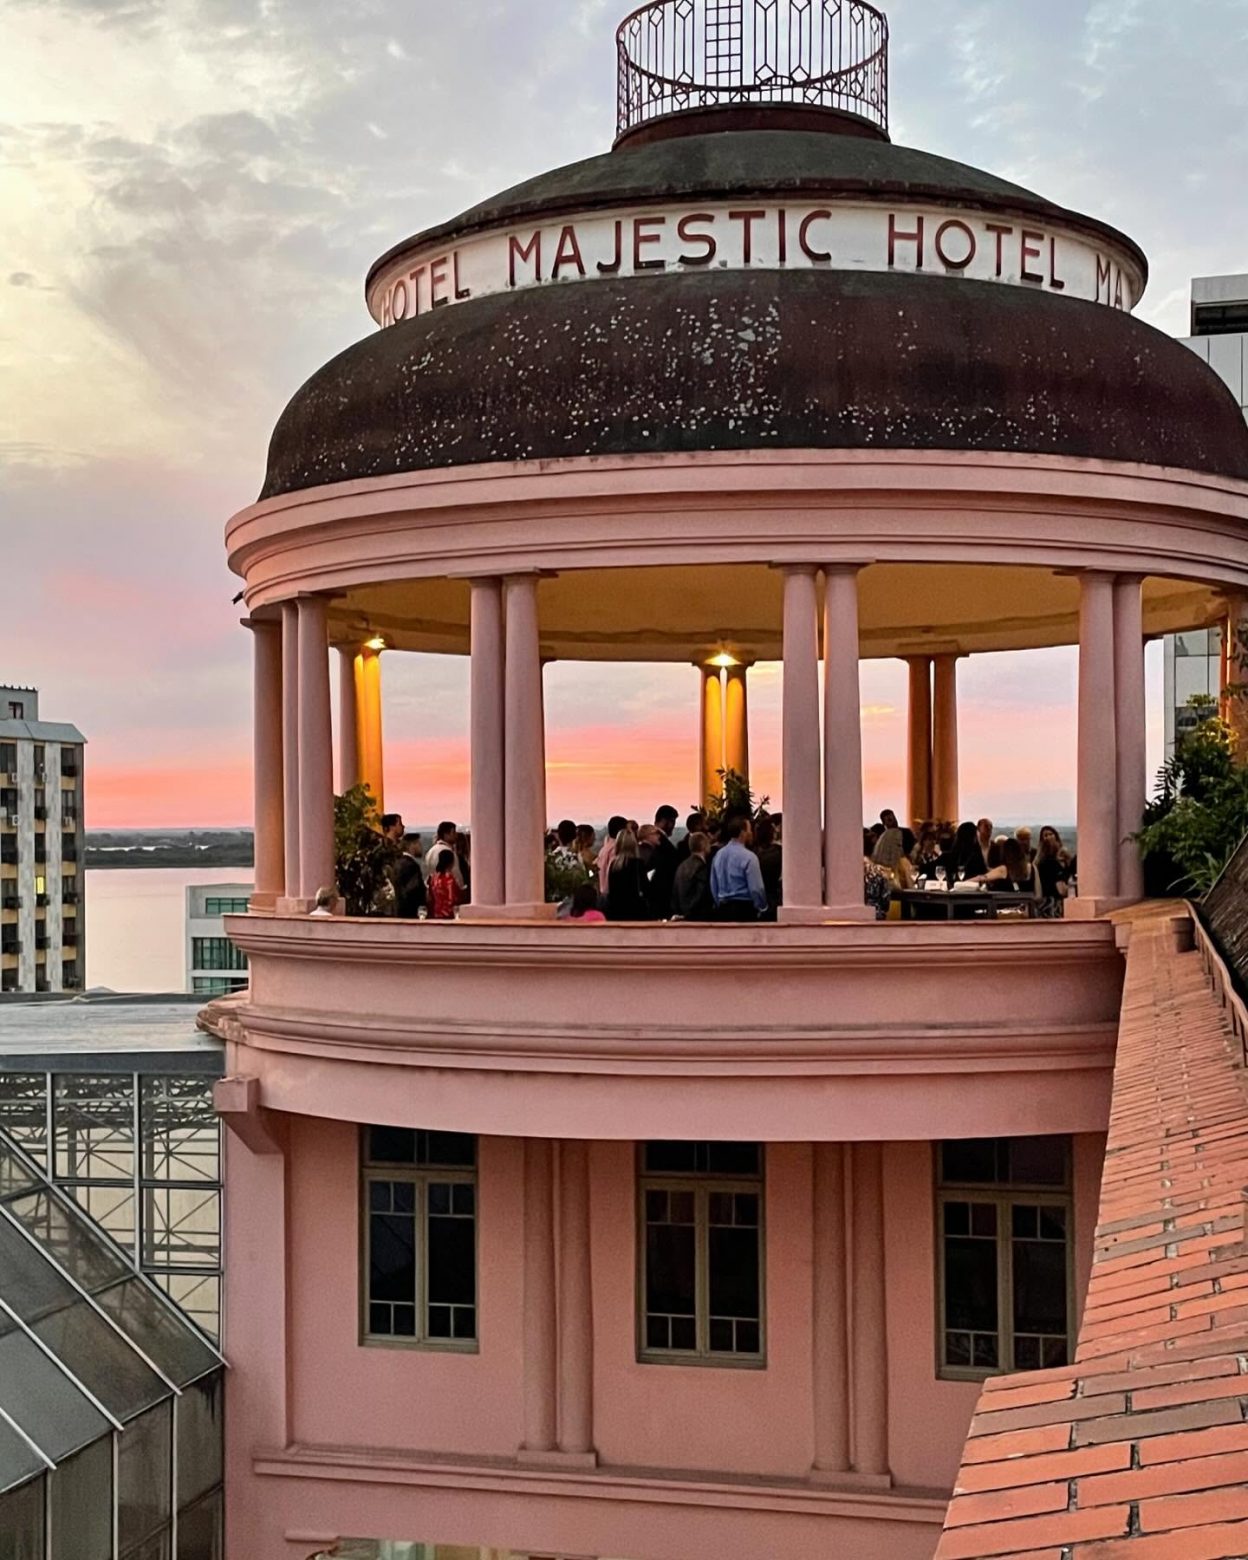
column 192, row 192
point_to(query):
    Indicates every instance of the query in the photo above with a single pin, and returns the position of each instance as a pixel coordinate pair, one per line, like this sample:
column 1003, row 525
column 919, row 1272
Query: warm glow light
column 723, row 659
column 376, row 643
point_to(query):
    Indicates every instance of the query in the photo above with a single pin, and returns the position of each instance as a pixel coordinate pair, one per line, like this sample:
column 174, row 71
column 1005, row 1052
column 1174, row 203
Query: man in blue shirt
column 736, row 877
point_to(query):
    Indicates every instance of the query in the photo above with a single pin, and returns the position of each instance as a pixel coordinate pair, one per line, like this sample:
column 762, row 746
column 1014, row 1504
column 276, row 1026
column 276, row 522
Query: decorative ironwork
column 676, row 55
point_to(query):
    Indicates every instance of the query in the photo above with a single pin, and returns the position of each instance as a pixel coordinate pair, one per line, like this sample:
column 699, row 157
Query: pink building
column 665, row 1241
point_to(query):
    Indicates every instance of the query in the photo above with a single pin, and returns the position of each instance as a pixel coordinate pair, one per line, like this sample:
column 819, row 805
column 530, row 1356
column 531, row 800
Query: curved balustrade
column 676, row 55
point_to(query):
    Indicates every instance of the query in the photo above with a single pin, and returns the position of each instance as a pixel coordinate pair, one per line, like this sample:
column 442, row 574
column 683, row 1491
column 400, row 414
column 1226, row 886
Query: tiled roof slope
column 1140, row 1448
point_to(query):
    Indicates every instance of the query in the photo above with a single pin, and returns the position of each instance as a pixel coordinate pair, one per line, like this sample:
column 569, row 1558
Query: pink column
column 803, row 866
column 945, row 739
column 1235, row 673
column 270, row 871
column 368, row 735
column 316, row 753
column 842, row 749
column 830, row 1345
column 348, row 717
column 576, row 1325
column 486, row 697
column 737, row 721
column 524, row 751
column 539, row 1297
column 919, row 740
column 712, row 711
column 1129, row 720
column 870, row 1341
column 290, row 750
column 1097, row 805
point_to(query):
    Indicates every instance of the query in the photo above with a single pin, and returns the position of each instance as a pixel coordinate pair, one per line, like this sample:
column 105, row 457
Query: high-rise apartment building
column 1193, row 662
column 42, row 942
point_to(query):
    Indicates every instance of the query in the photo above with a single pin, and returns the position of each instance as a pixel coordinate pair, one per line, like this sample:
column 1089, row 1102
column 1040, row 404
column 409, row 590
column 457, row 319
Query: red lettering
column 895, row 237
column 460, row 292
column 532, row 251
column 815, row 256
column 387, row 310
column 1002, row 232
column 782, row 234
column 1119, row 301
column 687, row 236
column 641, row 236
column 747, row 219
column 437, row 280
column 567, row 253
column 618, row 261
column 1030, row 248
column 414, row 277
column 399, row 314
column 948, row 261
column 1103, row 274
column 1055, row 281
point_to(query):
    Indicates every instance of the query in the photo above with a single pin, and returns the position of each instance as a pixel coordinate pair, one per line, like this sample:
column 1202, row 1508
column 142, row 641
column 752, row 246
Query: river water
column 136, row 924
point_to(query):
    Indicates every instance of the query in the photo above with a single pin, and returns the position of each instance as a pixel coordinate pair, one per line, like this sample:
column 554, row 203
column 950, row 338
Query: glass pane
column 392, row 1256
column 93, row 1120
column 733, row 1158
column 23, row 1111
column 733, row 1264
column 69, row 1240
column 101, row 1360
column 144, row 1473
column 452, row 1276
column 1039, row 1161
column 198, row 1416
column 671, row 1268
column 391, row 1146
column 57, row 1417
column 28, row 1281
column 112, row 1208
column 198, row 1295
column 1040, row 1287
column 969, row 1161
column 971, row 1284
column 457, row 1149
column 200, row 1530
column 80, row 1493
column 17, row 1461
column 181, row 1133
column 168, row 1341
column 181, row 1227
column 157, row 1548
column 14, row 1176
column 22, row 1523
column 670, row 1158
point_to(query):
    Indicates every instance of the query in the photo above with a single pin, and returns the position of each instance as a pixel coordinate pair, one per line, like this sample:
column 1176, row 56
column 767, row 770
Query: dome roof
column 741, row 360
column 755, row 162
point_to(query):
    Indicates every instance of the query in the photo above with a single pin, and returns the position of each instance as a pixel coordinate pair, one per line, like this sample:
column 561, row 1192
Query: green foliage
column 364, row 859
column 1200, row 812
column 733, row 799
column 564, row 875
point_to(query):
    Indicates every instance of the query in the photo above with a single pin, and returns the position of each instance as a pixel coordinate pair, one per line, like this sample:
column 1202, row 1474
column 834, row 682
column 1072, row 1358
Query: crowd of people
column 728, row 868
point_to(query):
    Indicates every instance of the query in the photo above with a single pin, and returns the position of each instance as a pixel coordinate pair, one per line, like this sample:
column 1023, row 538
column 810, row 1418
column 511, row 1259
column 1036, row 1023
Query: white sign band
column 923, row 240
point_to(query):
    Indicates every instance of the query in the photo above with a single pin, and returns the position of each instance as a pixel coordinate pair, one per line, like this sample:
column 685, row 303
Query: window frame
column 1003, row 1195
column 702, row 1183
column 420, row 1177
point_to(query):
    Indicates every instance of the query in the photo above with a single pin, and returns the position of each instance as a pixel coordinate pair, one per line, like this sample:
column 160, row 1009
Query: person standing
column 736, row 877
column 691, row 888
column 445, row 841
column 662, row 864
column 983, row 833
column 607, row 854
column 626, row 882
column 771, row 861
column 445, row 892
column 409, row 881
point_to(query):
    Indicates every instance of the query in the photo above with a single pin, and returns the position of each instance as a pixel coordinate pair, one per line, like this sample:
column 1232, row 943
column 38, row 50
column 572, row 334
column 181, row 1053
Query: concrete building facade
column 214, row 966
column 42, row 878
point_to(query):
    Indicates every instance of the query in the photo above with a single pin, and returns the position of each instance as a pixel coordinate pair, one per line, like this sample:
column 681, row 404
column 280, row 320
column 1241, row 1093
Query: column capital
column 845, row 566
column 258, row 624
column 795, row 568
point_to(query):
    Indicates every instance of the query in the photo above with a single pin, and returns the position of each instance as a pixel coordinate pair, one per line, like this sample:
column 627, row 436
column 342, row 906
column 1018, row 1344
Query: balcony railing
column 677, row 55
column 10, row 902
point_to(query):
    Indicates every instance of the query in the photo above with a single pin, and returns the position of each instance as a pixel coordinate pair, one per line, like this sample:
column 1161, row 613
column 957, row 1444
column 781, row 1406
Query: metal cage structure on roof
column 110, row 1401
column 679, row 55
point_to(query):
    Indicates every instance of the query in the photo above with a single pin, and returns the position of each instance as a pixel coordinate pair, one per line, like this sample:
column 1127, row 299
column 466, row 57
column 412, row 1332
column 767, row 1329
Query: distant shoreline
column 126, row 860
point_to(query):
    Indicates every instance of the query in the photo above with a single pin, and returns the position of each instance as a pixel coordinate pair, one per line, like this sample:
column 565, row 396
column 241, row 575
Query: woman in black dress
column 1053, row 865
column 626, row 881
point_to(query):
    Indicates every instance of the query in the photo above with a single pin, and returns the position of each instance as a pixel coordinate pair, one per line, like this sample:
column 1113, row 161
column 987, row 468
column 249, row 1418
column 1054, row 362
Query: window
column 216, row 953
column 17, row 709
column 700, row 1212
column 420, row 1237
column 226, row 906
column 217, row 985
column 1004, row 1253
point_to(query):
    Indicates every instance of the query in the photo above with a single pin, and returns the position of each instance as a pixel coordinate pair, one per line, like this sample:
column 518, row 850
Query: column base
column 855, row 912
column 263, row 903
column 801, row 915
column 295, row 906
column 556, row 1459
column 848, row 1479
column 1094, row 906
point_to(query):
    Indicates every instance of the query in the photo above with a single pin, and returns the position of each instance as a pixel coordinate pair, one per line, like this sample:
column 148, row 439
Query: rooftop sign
column 950, row 243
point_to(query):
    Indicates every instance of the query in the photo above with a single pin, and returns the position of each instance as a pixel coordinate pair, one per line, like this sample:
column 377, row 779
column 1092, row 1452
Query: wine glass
column 941, row 875
column 961, row 874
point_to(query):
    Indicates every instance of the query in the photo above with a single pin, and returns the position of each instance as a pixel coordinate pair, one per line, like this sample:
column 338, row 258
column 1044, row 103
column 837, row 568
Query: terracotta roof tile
column 1139, row 1449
